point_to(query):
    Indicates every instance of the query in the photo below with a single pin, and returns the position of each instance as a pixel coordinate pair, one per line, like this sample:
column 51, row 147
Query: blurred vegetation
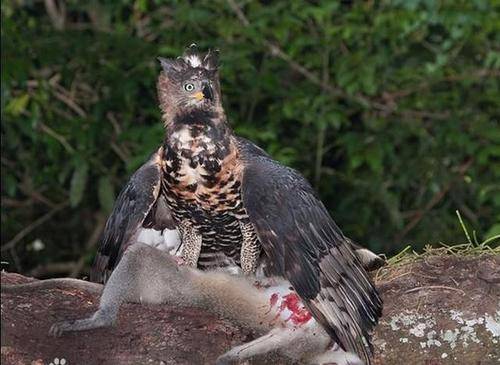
column 390, row 108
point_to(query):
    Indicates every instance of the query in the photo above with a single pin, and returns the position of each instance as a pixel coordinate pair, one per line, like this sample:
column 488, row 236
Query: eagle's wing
column 138, row 205
column 305, row 245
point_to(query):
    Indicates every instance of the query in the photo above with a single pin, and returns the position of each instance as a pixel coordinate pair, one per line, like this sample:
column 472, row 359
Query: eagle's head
column 189, row 82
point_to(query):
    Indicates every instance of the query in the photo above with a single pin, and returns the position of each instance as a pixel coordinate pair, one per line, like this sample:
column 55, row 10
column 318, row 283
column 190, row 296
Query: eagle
column 234, row 204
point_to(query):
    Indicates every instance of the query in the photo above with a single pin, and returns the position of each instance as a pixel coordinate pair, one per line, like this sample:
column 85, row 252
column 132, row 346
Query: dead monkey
column 273, row 310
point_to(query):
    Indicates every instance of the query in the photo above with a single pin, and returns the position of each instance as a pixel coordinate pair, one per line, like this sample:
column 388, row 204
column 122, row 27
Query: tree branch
column 46, row 129
column 433, row 202
column 386, row 107
column 27, row 230
column 276, row 51
column 57, row 14
column 91, row 242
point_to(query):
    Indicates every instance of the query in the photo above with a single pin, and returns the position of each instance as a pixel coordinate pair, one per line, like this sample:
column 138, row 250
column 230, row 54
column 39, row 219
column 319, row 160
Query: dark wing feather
column 305, row 245
column 138, row 205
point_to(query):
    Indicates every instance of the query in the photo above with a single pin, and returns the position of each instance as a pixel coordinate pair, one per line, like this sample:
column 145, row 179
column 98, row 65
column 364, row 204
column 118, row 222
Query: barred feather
column 306, row 247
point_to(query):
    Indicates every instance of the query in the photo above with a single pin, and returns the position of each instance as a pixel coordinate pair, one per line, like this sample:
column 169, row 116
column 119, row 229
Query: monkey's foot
column 276, row 339
column 99, row 319
column 225, row 359
column 57, row 329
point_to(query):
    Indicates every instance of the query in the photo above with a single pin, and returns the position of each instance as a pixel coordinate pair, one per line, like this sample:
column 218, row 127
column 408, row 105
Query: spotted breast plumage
column 233, row 204
column 202, row 174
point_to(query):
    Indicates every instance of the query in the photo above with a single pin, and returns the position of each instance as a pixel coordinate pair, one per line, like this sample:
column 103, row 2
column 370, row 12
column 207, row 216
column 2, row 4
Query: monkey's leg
column 308, row 346
column 276, row 339
column 369, row 260
column 142, row 275
column 335, row 355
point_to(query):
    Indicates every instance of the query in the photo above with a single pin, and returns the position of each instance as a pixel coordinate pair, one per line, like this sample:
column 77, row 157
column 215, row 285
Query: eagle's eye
column 188, row 86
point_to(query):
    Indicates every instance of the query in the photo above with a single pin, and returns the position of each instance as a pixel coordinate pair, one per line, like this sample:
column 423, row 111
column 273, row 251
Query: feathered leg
column 191, row 244
column 250, row 248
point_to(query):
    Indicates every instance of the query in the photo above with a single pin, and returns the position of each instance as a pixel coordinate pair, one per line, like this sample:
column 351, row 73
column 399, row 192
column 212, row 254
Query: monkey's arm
column 144, row 274
column 147, row 275
column 59, row 283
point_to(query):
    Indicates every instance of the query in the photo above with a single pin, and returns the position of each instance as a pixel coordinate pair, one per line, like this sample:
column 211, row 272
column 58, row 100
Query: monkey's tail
column 59, row 283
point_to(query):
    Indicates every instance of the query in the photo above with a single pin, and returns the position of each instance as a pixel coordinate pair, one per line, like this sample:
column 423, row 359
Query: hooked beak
column 207, row 92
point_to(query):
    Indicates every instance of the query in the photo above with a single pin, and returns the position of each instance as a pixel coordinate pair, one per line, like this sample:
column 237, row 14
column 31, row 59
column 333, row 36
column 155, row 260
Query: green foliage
column 390, row 108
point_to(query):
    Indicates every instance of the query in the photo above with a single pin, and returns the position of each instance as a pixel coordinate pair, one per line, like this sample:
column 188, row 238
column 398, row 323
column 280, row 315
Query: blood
column 292, row 302
column 273, row 300
column 179, row 260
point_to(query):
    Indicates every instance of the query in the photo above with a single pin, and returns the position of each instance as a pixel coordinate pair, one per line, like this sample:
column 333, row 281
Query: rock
column 440, row 311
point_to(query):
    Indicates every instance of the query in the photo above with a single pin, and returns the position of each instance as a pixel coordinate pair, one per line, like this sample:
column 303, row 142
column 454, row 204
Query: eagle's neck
column 199, row 148
column 200, row 131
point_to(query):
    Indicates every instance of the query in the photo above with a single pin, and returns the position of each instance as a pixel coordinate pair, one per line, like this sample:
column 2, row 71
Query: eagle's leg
column 250, row 248
column 191, row 244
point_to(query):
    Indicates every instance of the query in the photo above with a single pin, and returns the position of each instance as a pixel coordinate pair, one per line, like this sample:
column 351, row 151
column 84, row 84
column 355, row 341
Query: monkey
column 146, row 274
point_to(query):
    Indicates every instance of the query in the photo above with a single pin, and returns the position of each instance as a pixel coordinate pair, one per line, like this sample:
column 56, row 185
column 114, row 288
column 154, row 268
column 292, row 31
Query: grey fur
column 369, row 260
column 147, row 275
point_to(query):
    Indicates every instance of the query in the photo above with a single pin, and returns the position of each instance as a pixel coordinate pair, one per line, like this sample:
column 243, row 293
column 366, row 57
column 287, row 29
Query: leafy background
column 390, row 108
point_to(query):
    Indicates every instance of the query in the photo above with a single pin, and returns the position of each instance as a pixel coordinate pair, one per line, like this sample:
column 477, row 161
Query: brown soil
column 441, row 310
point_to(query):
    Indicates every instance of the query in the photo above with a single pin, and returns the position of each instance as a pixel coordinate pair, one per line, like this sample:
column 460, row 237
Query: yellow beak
column 198, row 96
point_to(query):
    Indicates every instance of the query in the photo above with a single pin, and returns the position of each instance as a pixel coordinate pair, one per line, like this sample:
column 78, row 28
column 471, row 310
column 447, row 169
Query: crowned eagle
column 233, row 204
